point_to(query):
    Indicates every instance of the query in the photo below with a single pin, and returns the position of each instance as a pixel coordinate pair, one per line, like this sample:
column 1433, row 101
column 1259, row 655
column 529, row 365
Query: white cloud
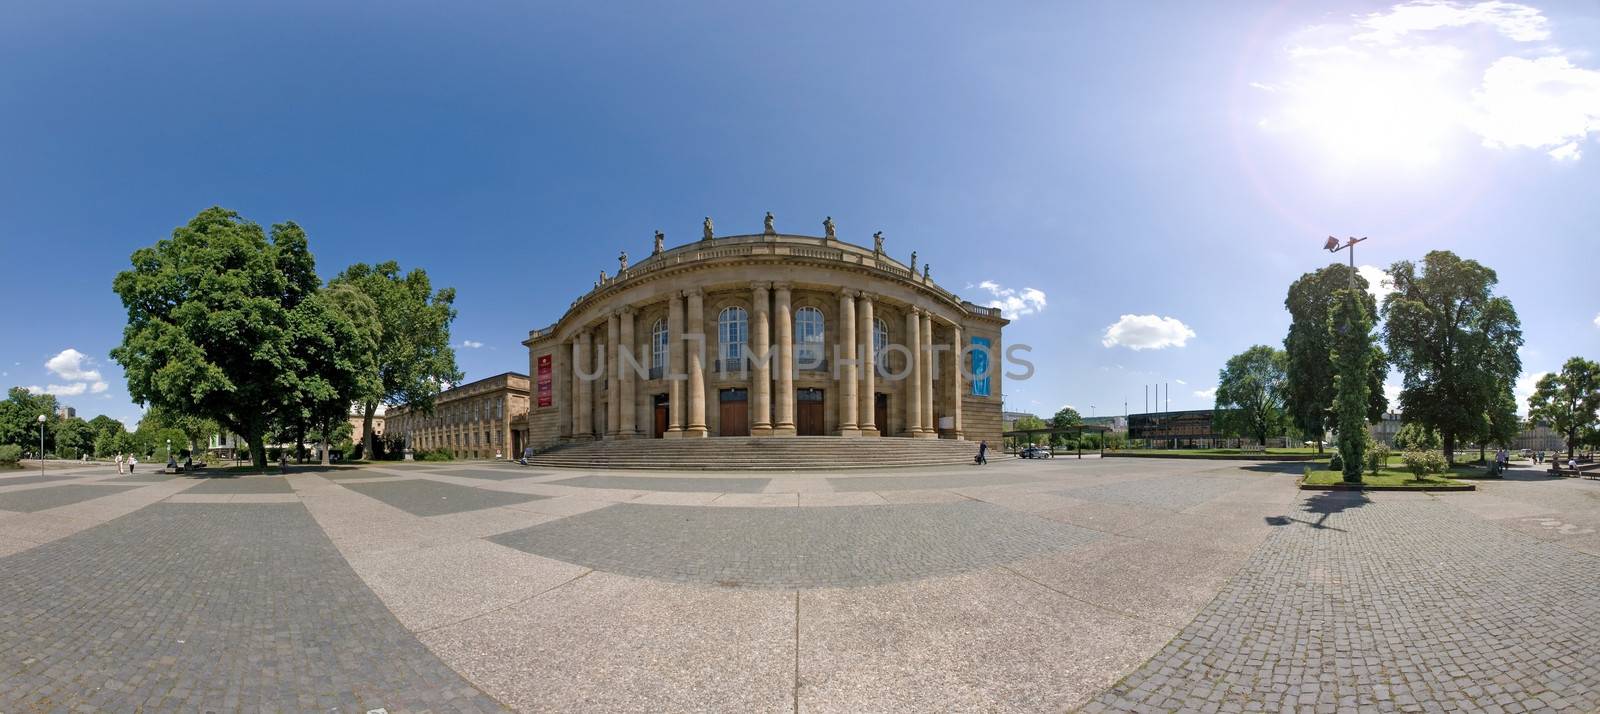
column 1210, row 393
column 97, row 387
column 1378, row 282
column 1597, row 319
column 1395, row 86
column 1515, row 21
column 1014, row 303
column 60, row 390
column 73, row 365
column 1391, row 391
column 1146, row 332
column 471, row 344
column 1526, row 384
column 1179, row 381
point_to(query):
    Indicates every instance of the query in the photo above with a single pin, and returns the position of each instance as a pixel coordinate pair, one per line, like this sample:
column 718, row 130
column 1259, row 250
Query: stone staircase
column 730, row 453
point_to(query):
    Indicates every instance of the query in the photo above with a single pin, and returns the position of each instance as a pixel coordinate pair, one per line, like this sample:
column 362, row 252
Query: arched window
column 658, row 349
column 733, row 329
column 808, row 337
column 880, row 335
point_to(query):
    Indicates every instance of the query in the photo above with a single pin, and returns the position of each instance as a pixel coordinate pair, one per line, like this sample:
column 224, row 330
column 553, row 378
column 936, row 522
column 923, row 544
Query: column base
column 695, row 432
column 870, row 431
column 784, row 430
column 925, row 435
column 761, row 430
column 849, row 431
column 673, row 433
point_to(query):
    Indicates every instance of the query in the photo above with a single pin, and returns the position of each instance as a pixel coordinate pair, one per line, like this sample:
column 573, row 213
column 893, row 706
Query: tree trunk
column 1449, row 448
column 258, row 451
column 1483, row 453
column 367, row 411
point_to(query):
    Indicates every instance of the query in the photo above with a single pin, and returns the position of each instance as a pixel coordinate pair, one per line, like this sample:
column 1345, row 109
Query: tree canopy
column 208, row 329
column 414, row 361
column 1455, row 342
column 1250, row 394
column 1309, row 385
column 1569, row 402
column 1352, row 359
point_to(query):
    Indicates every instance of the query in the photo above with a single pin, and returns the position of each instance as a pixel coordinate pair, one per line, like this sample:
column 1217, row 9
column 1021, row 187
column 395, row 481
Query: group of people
column 130, row 462
column 1502, row 458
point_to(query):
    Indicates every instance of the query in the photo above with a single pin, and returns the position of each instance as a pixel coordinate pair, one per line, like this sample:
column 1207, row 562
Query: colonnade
column 771, row 385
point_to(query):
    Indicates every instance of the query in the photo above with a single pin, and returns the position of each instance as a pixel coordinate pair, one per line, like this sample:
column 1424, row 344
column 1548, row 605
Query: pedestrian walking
column 119, row 463
column 132, row 462
column 983, row 452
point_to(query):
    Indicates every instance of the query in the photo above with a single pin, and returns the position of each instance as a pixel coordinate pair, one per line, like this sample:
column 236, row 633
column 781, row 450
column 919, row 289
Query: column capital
column 781, row 286
column 849, row 293
column 864, row 295
column 914, row 310
column 628, row 311
column 692, row 292
column 761, row 285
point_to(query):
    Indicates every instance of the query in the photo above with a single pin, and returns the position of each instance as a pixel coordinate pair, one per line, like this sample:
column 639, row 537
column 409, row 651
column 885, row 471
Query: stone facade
column 473, row 420
column 753, row 336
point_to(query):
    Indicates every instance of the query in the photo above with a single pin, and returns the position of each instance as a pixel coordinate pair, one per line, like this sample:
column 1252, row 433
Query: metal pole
column 41, row 444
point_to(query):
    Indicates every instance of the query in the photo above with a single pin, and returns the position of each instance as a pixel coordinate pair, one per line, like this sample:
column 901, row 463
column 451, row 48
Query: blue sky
column 1180, row 163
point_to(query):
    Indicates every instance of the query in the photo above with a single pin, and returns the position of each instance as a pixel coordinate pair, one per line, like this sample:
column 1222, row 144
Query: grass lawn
column 1218, row 452
column 1387, row 477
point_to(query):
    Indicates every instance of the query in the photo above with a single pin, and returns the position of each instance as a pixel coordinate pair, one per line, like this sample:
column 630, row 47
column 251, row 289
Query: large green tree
column 1569, row 402
column 208, row 321
column 414, row 359
column 333, row 362
column 1352, row 360
column 19, row 415
column 1454, row 340
column 1309, row 385
column 197, row 430
column 74, row 438
column 1250, row 394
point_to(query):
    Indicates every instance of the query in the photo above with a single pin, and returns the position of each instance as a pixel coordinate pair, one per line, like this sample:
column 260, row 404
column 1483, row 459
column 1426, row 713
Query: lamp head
column 41, row 418
column 1331, row 245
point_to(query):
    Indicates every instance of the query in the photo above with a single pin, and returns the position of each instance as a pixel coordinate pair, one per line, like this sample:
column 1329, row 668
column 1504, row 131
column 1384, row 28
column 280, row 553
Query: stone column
column 675, row 393
column 697, row 376
column 847, row 370
column 957, row 389
column 869, row 368
column 784, row 324
column 760, row 351
column 613, row 389
column 930, row 426
column 911, row 386
column 583, row 410
column 627, row 376
column 562, row 385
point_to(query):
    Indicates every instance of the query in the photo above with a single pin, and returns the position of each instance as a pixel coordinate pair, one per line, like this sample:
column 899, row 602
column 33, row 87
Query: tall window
column 880, row 335
column 733, row 329
column 808, row 336
column 658, row 349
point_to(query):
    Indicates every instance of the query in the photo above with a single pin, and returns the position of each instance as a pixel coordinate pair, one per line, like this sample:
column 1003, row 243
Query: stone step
column 760, row 453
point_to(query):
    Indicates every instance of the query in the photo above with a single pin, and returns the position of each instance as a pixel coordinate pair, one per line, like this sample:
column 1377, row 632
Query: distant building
column 477, row 420
column 66, row 412
column 1115, row 423
column 358, row 423
column 1188, row 429
column 1008, row 420
column 1383, row 430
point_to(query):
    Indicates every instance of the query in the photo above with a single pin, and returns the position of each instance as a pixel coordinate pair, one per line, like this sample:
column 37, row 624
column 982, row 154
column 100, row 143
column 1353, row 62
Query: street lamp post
column 1333, row 246
column 41, row 444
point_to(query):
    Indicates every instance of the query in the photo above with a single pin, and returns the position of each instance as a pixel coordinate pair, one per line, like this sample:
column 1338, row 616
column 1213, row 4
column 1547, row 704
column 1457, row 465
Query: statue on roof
column 926, row 270
column 913, row 261
column 660, row 239
column 706, row 229
column 622, row 263
column 827, row 228
column 877, row 243
column 602, row 278
column 766, row 225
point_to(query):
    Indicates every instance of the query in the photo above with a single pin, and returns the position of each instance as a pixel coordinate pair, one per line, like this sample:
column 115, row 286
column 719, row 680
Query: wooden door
column 808, row 418
column 735, row 413
column 880, row 412
column 661, row 421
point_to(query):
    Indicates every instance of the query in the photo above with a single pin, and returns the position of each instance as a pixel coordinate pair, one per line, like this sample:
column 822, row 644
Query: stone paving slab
column 1386, row 605
column 970, row 479
column 1169, row 493
column 645, row 483
column 36, row 478
column 39, row 499
column 241, row 484
column 796, row 547
column 607, row 643
column 428, row 588
column 988, row 641
column 156, row 477
column 496, row 474
column 208, row 608
column 422, row 497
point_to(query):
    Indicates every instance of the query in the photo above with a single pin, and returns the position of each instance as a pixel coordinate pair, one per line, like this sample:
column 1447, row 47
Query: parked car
column 1036, row 452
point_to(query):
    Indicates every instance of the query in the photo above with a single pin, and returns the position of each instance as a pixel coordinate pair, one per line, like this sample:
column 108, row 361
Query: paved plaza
column 1092, row 585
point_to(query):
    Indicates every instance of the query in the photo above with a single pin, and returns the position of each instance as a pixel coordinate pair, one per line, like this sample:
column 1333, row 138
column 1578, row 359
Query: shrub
column 1413, row 435
column 1377, row 458
column 1336, row 463
column 440, row 454
column 10, row 454
column 1423, row 463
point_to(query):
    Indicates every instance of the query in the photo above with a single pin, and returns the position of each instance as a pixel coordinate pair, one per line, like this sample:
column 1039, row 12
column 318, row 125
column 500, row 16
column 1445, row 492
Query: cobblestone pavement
column 432, row 498
column 1172, row 493
column 36, row 478
column 39, row 499
column 240, row 484
column 1396, row 605
column 844, row 546
column 208, row 608
column 955, row 480
column 647, row 483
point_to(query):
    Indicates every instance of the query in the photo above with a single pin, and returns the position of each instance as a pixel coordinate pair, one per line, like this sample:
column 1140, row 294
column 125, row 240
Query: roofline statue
column 707, row 229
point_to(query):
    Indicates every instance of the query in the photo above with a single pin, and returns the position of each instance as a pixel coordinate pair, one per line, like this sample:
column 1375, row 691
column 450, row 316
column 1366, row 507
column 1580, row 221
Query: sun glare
column 1373, row 109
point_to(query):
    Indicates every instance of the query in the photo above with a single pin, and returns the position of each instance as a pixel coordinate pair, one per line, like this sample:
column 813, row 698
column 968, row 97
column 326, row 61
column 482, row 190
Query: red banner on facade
column 544, row 381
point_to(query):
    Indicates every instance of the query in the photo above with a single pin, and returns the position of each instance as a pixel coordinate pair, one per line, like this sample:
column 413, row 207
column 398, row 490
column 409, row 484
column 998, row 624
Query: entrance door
column 735, row 405
column 808, row 420
column 880, row 412
column 661, row 416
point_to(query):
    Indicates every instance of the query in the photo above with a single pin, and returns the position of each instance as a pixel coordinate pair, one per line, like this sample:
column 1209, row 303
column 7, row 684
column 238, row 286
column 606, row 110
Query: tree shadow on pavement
column 1293, row 468
column 1324, row 504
